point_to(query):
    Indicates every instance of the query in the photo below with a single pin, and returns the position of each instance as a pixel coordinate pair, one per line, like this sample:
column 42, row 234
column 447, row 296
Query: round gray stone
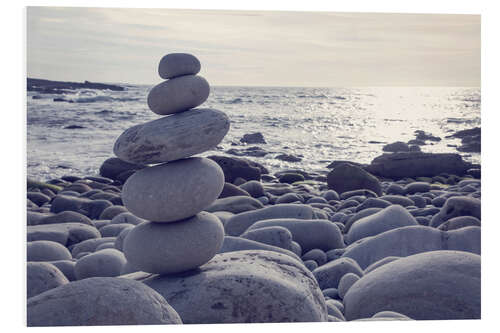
column 100, row 301
column 42, row 276
column 429, row 280
column 44, row 250
column 178, row 64
column 174, row 137
column 178, row 94
column 173, row 191
column 346, row 282
column 107, row 262
column 167, row 248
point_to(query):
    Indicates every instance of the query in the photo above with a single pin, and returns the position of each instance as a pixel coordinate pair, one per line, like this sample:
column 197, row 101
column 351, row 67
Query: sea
column 318, row 125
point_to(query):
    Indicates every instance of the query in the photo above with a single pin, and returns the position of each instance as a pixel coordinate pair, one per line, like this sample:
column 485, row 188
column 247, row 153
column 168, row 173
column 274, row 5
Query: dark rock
column 288, row 158
column 336, row 163
column 55, row 87
column 114, row 167
column 230, row 190
column 424, row 136
column 70, row 178
column 347, row 177
column 250, row 151
column 74, row 127
column 290, row 178
column 415, row 164
column 465, row 133
column 237, row 167
column 38, row 198
column 396, row 147
column 253, row 138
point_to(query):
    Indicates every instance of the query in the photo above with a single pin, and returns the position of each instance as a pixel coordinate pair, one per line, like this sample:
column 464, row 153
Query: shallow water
column 317, row 124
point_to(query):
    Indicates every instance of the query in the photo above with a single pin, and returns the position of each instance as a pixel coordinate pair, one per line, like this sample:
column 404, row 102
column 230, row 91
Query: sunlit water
column 317, row 124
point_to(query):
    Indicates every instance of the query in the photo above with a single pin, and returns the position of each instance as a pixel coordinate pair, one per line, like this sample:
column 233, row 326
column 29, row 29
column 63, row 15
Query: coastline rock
column 347, row 177
column 44, row 250
column 395, row 147
column 406, row 241
column 235, row 204
column 178, row 94
column 173, row 137
column 178, row 64
column 244, row 287
column 167, row 248
column 417, row 164
column 42, row 276
column 429, row 280
column 173, row 191
column 253, row 138
column 81, row 303
column 66, row 234
column 113, row 167
column 236, row 167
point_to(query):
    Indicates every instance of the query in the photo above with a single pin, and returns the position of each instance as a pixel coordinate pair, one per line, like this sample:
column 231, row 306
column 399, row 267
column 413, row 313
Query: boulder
column 233, row 244
column 44, row 250
column 167, row 248
column 107, row 262
column 396, row 147
column 243, row 287
column 236, row 167
column 81, row 303
column 113, row 167
column 178, row 64
column 171, row 138
column 173, row 191
column 422, row 286
column 406, row 241
column 253, row 138
column 417, row 164
column 347, row 177
column 42, row 276
column 329, row 275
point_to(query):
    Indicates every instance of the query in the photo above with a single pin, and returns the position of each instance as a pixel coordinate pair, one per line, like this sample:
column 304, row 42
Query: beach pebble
column 173, row 191
column 67, row 267
column 317, row 255
column 310, row 234
column 388, row 218
column 457, row 206
column 275, row 236
column 38, row 198
column 253, row 138
column 289, row 198
column 405, row 241
column 333, row 294
column 459, row 222
column 254, row 188
column 107, row 262
column 174, row 137
column 109, row 245
column 223, row 290
column 223, row 216
column 44, row 250
column 310, row 264
column 379, row 263
column 178, row 64
column 329, row 275
column 114, row 167
column 110, row 212
column 333, row 310
column 126, row 218
column 398, row 200
column 236, row 204
column 235, row 168
column 396, row 147
column 331, row 195
column 346, row 282
column 167, row 248
column 396, row 189
column 64, row 202
column 178, row 94
column 372, row 203
column 95, row 208
column 347, row 177
column 233, row 244
column 230, row 190
column 126, row 302
column 118, row 243
column 42, row 276
column 358, row 195
column 429, row 279
column 296, row 248
column 89, row 245
column 351, row 219
column 334, row 254
column 66, row 234
column 290, row 178
column 237, row 224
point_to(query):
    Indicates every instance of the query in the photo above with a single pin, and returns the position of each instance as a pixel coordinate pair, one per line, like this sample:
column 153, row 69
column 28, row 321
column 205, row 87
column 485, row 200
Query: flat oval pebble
column 178, row 64
column 167, row 248
column 107, row 262
column 173, row 137
column 173, row 191
column 178, row 94
column 100, row 301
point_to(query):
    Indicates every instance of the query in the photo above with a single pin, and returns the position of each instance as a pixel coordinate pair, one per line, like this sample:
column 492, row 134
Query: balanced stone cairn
column 174, row 187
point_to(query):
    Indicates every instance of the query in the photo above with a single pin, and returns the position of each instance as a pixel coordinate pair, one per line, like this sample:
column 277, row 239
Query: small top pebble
column 178, row 64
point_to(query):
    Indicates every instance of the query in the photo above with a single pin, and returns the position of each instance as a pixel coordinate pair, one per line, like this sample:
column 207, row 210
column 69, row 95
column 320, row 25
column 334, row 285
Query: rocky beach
column 182, row 226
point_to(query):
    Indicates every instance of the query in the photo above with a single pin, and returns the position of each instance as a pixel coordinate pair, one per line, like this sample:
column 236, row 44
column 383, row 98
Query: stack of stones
column 174, row 187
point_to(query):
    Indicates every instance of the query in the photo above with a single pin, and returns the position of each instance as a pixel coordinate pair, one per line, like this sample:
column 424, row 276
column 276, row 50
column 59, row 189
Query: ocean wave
column 101, row 98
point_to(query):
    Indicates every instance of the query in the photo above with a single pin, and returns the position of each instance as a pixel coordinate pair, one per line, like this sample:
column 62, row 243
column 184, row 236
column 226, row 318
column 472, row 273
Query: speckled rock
column 81, row 303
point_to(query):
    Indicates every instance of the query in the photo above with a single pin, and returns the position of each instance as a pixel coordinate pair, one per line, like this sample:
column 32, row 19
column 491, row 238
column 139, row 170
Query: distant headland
column 59, row 87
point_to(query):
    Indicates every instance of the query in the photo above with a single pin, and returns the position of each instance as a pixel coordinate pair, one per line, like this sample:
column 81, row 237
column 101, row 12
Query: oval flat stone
column 167, row 248
column 177, row 64
column 178, row 94
column 173, row 191
column 174, row 137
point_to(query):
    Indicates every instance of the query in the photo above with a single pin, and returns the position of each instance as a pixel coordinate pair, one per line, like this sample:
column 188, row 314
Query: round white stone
column 178, row 64
column 174, row 137
column 178, row 94
column 173, row 191
column 167, row 248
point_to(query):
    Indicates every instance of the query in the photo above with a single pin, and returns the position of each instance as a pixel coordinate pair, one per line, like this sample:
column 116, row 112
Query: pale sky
column 256, row 48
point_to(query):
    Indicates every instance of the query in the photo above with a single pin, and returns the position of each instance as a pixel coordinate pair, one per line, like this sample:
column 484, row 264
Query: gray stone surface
column 44, row 250
column 42, row 276
column 174, row 137
column 173, row 191
column 121, row 238
column 429, row 280
column 63, row 233
column 460, row 222
column 346, row 282
column 178, row 94
column 254, row 188
column 127, row 218
column 310, row 234
column 81, row 303
column 89, row 245
column 235, row 204
column 347, row 177
column 178, row 64
column 107, row 262
column 457, row 206
column 380, row 263
column 388, row 218
column 411, row 240
column 275, row 236
column 233, row 244
column 244, row 287
column 113, row 230
column 67, row 267
column 167, row 248
column 237, row 224
column 329, row 275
